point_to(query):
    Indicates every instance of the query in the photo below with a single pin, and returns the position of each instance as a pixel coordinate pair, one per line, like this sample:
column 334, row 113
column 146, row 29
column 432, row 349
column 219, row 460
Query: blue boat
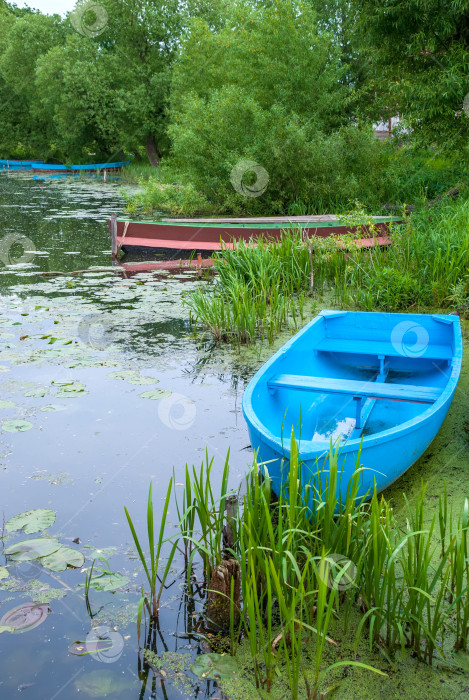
column 376, row 385
column 87, row 168
column 19, row 164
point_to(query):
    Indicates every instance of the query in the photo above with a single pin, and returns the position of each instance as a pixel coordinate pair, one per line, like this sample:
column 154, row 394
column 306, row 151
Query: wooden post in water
column 114, row 236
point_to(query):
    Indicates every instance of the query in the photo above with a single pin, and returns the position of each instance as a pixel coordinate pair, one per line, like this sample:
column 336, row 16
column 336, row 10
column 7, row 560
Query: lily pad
column 70, row 390
column 143, row 380
column 16, row 425
column 3, row 573
column 53, row 407
column 26, row 617
column 28, row 550
column 62, row 559
column 31, row 521
column 156, row 394
column 3, row 628
column 215, row 666
column 37, row 393
column 124, row 374
column 7, row 404
column 84, row 648
column 109, row 582
column 103, row 552
column 101, row 684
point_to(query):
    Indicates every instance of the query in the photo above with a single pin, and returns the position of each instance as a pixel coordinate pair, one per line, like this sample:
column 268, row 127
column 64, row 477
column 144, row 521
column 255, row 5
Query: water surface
column 76, row 354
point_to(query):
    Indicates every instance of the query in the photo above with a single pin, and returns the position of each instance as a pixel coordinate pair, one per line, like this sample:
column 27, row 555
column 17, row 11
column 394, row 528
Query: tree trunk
column 152, row 152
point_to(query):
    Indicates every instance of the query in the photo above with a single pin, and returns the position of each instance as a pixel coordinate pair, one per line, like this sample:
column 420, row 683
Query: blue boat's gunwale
column 90, row 166
column 20, row 162
column 283, row 443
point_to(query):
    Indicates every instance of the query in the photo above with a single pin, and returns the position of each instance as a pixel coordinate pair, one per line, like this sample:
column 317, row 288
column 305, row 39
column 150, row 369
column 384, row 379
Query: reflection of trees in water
column 220, row 364
column 27, row 208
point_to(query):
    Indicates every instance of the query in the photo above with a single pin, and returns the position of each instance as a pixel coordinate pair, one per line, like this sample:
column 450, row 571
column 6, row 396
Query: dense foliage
column 418, row 55
column 249, row 106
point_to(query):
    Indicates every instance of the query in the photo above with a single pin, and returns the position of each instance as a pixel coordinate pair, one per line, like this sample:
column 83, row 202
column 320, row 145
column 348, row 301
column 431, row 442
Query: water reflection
column 117, row 390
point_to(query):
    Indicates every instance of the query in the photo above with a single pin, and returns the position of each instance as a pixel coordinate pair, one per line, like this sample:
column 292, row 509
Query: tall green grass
column 308, row 560
column 260, row 290
column 155, row 545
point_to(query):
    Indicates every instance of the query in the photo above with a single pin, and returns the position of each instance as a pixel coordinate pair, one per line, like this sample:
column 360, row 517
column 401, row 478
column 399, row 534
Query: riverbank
column 260, row 290
column 108, row 387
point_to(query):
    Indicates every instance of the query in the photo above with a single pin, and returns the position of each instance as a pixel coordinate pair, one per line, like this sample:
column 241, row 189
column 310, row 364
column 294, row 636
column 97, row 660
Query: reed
column 261, row 290
column 200, row 506
column 309, row 557
column 155, row 552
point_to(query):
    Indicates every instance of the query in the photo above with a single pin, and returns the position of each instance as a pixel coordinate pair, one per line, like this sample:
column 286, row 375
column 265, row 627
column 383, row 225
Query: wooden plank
column 179, row 264
column 114, row 235
column 196, row 244
column 257, row 219
column 173, row 244
column 373, row 390
column 273, row 219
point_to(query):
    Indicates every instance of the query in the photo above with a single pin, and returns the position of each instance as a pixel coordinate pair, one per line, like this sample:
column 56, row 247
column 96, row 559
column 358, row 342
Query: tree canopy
column 291, row 86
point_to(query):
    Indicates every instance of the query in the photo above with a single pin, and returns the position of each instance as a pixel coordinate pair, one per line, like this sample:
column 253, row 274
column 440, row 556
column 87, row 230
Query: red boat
column 206, row 234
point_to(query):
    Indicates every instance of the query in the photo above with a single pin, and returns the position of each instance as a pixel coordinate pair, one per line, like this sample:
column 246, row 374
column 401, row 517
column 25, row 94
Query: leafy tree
column 266, row 88
column 22, row 40
column 80, row 103
column 144, row 37
column 419, row 51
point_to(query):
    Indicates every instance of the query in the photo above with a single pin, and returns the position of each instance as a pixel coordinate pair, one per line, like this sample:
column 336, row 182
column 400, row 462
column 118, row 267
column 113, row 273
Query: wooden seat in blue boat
column 383, row 348
column 359, row 391
column 372, row 390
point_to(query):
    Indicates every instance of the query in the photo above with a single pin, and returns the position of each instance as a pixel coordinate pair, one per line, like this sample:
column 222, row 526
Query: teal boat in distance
column 19, row 164
column 86, row 168
column 376, row 385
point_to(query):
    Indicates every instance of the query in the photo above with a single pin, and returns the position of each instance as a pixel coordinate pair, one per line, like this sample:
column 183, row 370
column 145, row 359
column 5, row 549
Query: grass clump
column 310, row 563
column 258, row 290
column 261, row 289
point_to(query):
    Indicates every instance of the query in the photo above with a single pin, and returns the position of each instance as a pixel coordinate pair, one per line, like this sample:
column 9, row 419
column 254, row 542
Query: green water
column 76, row 354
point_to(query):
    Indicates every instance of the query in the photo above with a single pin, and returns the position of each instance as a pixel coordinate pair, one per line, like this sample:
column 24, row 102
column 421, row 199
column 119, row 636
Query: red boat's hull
column 203, row 237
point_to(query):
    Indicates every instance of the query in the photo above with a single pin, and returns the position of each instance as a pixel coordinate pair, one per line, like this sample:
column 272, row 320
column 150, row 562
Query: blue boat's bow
column 380, row 381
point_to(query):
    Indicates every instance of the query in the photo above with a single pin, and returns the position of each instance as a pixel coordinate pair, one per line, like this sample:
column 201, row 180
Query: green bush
column 391, row 289
column 175, row 200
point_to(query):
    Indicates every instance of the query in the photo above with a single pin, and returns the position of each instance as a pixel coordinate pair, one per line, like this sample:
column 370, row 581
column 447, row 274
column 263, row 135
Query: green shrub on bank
column 173, row 199
column 308, row 173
